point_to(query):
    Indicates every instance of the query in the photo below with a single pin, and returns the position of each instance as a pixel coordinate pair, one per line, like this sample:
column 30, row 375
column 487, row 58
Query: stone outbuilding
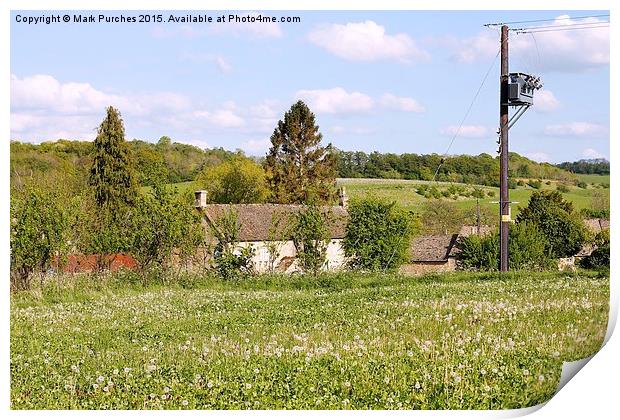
column 261, row 225
column 432, row 254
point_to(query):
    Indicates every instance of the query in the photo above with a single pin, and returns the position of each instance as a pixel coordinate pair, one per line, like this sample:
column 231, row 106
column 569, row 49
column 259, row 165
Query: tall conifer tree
column 299, row 169
column 112, row 174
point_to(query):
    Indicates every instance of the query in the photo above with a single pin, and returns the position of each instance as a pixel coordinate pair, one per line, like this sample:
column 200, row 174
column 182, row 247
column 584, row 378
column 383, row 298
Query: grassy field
column 404, row 193
column 337, row 342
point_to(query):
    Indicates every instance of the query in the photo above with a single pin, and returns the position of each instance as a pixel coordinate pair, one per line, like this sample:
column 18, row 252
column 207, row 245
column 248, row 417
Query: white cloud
column 366, row 41
column 256, row 146
column 401, row 103
column 575, row 129
column 545, row 101
column 564, row 51
column 592, row 154
column 538, row 156
column 336, row 101
column 248, row 25
column 469, row 131
column 223, row 118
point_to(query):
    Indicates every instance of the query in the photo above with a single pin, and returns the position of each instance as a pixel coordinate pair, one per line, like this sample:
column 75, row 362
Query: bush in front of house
column 526, row 250
column 311, row 236
column 378, row 235
column 599, row 258
column 553, row 216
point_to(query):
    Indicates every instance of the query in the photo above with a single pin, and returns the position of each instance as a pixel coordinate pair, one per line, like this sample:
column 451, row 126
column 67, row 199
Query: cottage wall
column 425, row 267
column 286, row 261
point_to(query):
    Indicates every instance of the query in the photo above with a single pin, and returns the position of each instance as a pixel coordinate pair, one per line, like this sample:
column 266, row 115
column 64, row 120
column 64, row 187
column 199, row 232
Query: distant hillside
column 587, row 166
column 172, row 162
column 482, row 169
column 165, row 161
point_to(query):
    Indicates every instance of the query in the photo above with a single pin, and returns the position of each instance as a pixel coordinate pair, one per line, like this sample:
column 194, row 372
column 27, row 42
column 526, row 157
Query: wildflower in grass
column 115, row 372
column 483, row 371
column 126, row 370
column 184, row 402
column 95, row 386
column 257, row 370
column 106, row 389
column 526, row 372
column 151, row 395
column 417, row 385
column 346, row 384
column 75, row 368
column 100, row 379
column 209, row 384
column 541, row 378
column 248, row 386
column 166, row 389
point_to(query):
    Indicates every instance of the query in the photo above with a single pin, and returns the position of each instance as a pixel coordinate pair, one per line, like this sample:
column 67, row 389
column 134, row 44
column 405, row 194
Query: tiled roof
column 256, row 219
column 596, row 225
column 434, row 248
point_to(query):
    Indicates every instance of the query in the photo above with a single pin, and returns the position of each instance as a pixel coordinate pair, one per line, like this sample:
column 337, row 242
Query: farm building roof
column 255, row 220
column 435, row 248
column 596, row 225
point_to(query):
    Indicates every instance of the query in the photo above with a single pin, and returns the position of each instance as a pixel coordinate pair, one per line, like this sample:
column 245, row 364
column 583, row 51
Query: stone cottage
column 437, row 253
column 257, row 228
column 431, row 254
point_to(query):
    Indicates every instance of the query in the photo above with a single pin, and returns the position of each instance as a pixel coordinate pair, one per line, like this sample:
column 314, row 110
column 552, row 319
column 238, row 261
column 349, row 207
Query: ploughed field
column 344, row 341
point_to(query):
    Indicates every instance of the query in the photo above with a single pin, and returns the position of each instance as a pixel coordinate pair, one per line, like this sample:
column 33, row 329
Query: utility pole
column 504, row 200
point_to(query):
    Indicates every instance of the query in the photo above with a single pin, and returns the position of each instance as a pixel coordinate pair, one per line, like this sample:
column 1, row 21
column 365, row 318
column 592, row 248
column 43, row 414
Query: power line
column 544, row 20
column 560, row 29
column 570, row 25
column 458, row 130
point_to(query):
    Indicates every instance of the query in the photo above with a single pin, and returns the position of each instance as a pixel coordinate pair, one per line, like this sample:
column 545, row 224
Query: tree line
column 587, row 166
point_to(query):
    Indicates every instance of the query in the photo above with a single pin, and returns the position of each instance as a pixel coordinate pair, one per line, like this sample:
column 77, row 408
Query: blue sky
column 387, row 81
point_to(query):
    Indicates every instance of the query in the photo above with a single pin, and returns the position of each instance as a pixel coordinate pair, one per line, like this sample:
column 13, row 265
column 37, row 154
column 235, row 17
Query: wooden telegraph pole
column 504, row 200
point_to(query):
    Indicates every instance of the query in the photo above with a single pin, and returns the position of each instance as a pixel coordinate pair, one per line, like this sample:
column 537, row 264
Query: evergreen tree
column 112, row 175
column 299, row 169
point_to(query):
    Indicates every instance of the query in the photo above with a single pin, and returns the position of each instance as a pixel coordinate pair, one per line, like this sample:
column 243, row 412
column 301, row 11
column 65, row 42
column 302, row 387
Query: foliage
column 527, row 250
column 231, row 261
column 562, row 188
column 112, row 175
column 553, row 216
column 378, row 235
column 587, row 166
column 299, row 169
column 311, row 236
column 441, row 217
column 600, row 257
column 596, row 214
column 234, row 181
column 479, row 252
column 280, row 342
column 535, row 183
column 582, row 184
column 482, row 169
column 38, row 233
column 161, row 226
column 279, row 232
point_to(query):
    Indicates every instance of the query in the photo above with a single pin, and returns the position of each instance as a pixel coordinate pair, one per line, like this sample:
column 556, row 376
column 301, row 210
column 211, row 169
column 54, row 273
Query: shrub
column 162, row 223
column 38, row 228
column 535, row 183
column 311, row 237
column 479, row 252
column 230, row 260
column 526, row 250
column 554, row 217
column 582, row 184
column 599, row 259
column 377, row 236
column 562, row 188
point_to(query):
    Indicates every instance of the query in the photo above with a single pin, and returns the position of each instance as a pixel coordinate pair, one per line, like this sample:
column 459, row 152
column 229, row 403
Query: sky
column 398, row 82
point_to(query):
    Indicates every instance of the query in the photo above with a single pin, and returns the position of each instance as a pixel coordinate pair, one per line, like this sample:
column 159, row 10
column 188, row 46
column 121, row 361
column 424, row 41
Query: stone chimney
column 200, row 199
column 343, row 200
